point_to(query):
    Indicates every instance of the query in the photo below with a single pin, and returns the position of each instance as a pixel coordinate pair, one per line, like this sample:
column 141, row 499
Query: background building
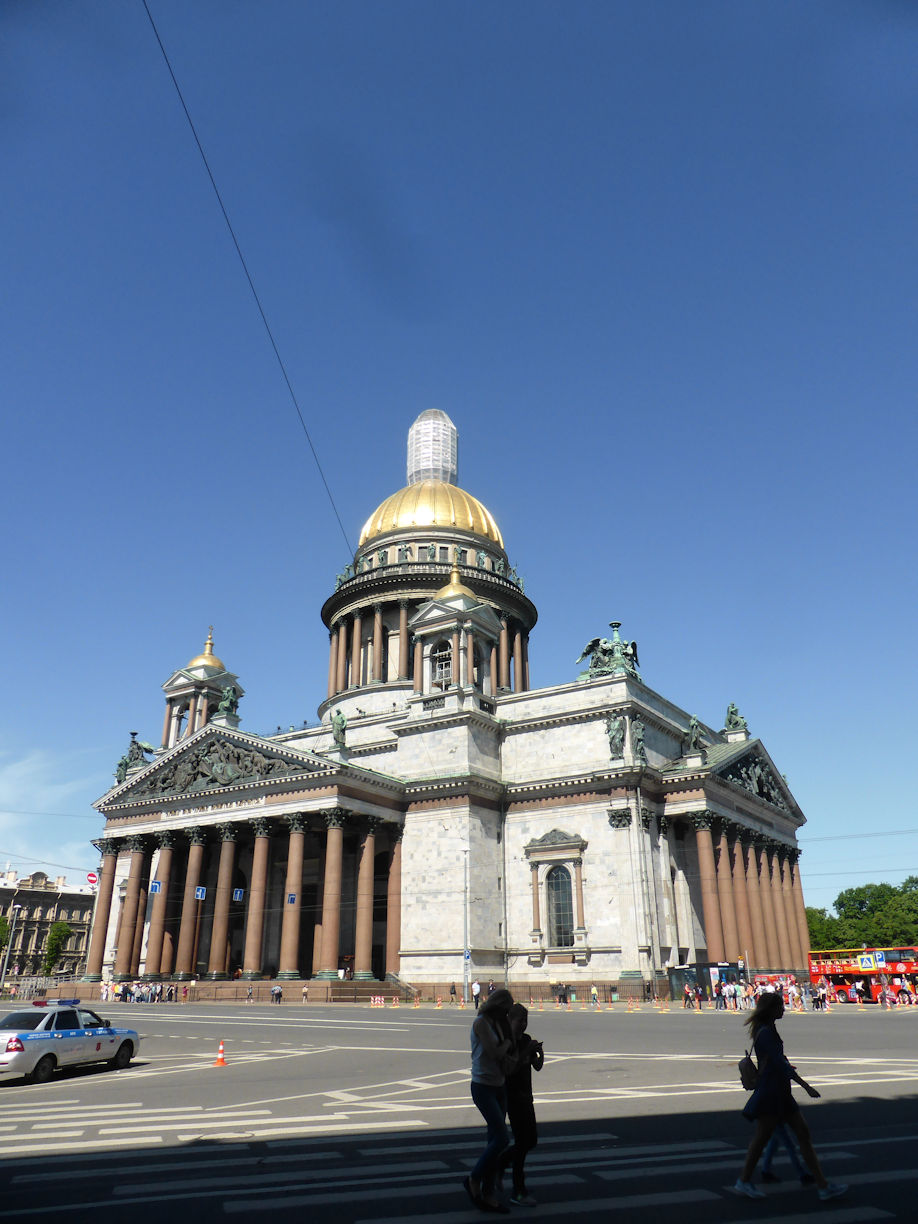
column 42, row 902
column 444, row 818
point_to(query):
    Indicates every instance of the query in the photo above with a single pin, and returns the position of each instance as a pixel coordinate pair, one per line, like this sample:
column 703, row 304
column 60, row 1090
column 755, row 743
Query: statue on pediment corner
column 691, row 741
column 229, row 700
column 338, row 728
column 615, row 729
column 734, row 721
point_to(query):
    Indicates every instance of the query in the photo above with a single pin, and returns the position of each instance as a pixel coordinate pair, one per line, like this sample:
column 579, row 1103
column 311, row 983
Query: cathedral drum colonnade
column 443, row 818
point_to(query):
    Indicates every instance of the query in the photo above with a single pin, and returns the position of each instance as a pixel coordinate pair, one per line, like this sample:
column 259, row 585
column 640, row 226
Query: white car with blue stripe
column 38, row 1040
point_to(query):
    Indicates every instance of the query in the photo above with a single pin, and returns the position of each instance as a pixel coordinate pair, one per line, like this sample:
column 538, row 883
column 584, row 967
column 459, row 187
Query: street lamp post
column 9, row 943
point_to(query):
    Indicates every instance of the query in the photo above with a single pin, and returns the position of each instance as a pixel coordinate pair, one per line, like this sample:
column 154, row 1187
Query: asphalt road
column 348, row 1114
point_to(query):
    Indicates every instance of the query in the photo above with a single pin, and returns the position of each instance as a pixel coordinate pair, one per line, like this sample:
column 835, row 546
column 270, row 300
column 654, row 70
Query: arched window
column 560, row 908
column 441, row 660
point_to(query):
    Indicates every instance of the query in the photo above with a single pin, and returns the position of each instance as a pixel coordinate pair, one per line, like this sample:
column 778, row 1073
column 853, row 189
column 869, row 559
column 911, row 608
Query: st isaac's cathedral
column 444, row 820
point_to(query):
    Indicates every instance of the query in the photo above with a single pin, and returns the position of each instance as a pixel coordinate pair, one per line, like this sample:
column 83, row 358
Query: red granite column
column 470, row 658
column 454, row 660
column 317, row 925
column 403, row 639
column 332, row 661
column 534, row 885
column 357, row 652
column 363, row 935
column 526, row 684
column 784, row 947
column 289, row 966
column 394, row 906
column 125, row 955
column 184, row 957
column 759, row 951
column 504, row 680
column 153, row 965
column 518, row 674
column 726, row 898
column 377, row 643
column 493, row 672
column 108, row 848
column 192, row 715
column 418, row 684
column 331, row 893
column 773, row 960
column 803, row 929
column 710, row 906
column 167, row 722
column 258, row 892
column 219, row 931
column 798, row 960
column 141, row 917
column 741, row 896
column 342, row 655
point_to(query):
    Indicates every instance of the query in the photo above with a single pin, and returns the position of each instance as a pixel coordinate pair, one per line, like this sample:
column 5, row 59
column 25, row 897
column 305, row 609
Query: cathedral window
column 560, row 908
column 442, row 662
column 444, row 554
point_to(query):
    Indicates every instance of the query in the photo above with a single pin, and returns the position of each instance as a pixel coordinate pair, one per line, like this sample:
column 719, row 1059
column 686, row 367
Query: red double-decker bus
column 872, row 975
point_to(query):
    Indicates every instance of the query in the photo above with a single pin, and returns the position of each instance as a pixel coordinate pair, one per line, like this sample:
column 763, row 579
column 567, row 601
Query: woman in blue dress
column 772, row 1102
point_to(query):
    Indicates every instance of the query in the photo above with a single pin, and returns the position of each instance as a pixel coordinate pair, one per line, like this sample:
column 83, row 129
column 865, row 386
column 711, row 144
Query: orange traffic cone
column 221, row 1061
column 439, row 1002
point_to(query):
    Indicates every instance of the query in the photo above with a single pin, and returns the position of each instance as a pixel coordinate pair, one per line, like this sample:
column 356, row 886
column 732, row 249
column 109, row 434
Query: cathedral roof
column 432, row 503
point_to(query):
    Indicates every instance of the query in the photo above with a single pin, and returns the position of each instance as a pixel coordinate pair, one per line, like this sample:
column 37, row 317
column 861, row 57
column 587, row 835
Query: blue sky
column 655, row 259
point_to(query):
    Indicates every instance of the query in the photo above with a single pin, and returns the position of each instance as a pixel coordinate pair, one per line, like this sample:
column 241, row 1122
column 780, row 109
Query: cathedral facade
column 444, row 819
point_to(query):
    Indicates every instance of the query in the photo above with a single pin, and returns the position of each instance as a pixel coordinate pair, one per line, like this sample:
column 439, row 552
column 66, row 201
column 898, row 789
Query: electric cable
column 248, row 276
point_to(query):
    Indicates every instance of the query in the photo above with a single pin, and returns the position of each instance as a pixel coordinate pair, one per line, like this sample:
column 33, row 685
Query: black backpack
column 748, row 1072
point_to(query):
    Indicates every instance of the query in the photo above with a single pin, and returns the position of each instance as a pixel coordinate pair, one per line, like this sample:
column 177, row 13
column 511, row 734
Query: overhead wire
column 248, row 275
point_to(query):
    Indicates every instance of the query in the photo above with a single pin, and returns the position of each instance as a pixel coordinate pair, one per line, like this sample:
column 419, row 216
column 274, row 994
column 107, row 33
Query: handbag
column 748, row 1072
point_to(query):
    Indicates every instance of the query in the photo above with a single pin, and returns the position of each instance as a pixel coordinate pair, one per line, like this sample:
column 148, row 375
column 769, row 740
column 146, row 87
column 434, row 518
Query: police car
column 36, row 1040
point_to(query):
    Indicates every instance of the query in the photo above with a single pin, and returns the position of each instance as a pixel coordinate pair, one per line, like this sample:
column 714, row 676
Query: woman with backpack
column 772, row 1103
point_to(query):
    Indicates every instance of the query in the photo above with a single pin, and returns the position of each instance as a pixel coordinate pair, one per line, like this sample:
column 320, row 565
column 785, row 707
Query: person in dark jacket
column 529, row 1056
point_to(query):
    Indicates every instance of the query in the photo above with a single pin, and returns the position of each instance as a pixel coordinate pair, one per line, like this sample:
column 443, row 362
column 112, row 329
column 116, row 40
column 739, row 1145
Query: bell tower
column 195, row 692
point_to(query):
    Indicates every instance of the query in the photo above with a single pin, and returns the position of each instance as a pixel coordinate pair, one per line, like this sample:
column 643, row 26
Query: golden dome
column 208, row 658
column 432, row 503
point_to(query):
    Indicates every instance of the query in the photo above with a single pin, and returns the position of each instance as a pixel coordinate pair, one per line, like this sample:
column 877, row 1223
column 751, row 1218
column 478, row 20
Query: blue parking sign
column 156, row 886
column 291, row 898
column 880, row 957
column 200, row 894
column 238, row 894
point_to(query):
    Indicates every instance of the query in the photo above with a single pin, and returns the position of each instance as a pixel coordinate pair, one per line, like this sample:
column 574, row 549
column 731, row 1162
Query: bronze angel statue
column 611, row 656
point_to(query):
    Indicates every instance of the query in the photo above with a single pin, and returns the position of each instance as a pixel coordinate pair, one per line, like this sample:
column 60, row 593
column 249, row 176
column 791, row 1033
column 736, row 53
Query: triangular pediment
column 750, row 767
column 215, row 760
column 435, row 615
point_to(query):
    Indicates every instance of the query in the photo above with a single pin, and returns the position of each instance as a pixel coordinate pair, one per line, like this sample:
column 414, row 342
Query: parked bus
column 871, row 975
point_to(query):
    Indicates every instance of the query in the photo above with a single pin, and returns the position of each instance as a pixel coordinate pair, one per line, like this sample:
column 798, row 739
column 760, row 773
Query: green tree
column 823, row 928
column 4, row 931
column 57, row 937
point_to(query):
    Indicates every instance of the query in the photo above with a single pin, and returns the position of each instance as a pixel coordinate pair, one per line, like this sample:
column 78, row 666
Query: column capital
column 403, row 603
column 166, row 839
column 261, row 826
column 702, row 820
column 372, row 824
column 228, row 832
column 665, row 824
column 396, row 833
column 620, row 818
column 793, row 854
column 335, row 818
column 196, row 835
column 646, row 819
column 297, row 822
column 107, row 846
column 136, row 843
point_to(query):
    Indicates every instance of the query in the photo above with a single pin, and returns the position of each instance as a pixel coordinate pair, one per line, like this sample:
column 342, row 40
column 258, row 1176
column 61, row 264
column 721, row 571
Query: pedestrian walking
column 476, row 993
column 492, row 1050
column 305, row 992
column 772, row 1102
column 529, row 1056
column 452, row 993
column 594, row 996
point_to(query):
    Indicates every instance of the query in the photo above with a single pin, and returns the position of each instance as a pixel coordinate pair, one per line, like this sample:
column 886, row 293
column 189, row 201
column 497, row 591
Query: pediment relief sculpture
column 757, row 777
column 214, row 764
